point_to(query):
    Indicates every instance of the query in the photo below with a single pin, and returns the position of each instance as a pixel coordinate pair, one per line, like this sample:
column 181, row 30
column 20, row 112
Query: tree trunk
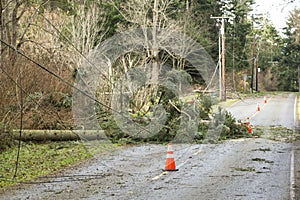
column 155, row 68
column 1, row 33
column 58, row 135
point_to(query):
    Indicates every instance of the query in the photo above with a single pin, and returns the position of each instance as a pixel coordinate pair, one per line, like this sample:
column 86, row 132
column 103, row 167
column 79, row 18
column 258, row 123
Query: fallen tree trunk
column 58, row 135
column 64, row 135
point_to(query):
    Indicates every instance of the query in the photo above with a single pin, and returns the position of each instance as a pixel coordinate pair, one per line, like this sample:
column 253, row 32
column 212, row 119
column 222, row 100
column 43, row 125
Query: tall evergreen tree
column 288, row 72
column 238, row 29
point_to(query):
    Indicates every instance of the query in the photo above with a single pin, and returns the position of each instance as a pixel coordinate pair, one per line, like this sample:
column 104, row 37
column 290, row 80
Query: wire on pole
column 222, row 66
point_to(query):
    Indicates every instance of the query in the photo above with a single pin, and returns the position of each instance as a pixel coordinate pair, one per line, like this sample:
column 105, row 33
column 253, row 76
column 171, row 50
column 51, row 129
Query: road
column 278, row 111
column 249, row 168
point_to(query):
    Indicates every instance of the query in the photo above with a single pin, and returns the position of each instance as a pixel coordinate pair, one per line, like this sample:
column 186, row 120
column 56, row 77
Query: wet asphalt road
column 251, row 168
column 278, row 111
column 236, row 169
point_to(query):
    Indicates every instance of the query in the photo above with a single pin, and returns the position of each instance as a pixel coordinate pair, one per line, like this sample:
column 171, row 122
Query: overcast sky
column 278, row 10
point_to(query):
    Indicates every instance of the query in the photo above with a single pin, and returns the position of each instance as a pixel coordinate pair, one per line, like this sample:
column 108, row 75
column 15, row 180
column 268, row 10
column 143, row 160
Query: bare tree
column 87, row 27
column 144, row 14
column 11, row 13
column 157, row 15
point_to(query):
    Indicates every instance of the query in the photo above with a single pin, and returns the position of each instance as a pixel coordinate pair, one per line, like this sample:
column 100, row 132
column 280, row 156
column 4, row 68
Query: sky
column 278, row 10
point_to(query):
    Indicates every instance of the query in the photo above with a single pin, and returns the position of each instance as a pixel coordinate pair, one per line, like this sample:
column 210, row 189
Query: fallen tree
column 58, row 135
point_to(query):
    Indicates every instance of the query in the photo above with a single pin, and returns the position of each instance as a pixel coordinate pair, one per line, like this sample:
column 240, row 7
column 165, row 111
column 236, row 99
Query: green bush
column 112, row 131
column 60, row 100
column 224, row 126
column 205, row 104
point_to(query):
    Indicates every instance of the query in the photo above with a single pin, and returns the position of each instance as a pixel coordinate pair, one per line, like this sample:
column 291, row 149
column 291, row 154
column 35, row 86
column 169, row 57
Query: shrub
column 225, row 126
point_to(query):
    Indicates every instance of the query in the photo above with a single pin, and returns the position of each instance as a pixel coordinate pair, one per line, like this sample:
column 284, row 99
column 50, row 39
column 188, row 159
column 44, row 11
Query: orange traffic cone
column 249, row 128
column 265, row 100
column 170, row 162
column 258, row 107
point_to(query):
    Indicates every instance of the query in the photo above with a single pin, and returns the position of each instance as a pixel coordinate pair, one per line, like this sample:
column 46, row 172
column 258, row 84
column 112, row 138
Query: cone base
column 170, row 170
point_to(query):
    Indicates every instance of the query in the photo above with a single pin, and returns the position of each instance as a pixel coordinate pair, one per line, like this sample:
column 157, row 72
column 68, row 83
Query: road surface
column 280, row 110
column 250, row 168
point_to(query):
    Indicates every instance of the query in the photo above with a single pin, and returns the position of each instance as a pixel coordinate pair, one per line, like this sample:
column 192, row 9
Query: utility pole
column 252, row 74
column 257, row 58
column 299, row 78
column 256, row 73
column 253, row 65
column 222, row 67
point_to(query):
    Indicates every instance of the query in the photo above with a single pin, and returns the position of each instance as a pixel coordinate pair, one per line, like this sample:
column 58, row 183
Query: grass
column 41, row 159
column 227, row 103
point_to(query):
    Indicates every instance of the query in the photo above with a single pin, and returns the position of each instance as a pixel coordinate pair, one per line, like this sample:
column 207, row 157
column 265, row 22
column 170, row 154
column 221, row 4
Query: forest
column 47, row 44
